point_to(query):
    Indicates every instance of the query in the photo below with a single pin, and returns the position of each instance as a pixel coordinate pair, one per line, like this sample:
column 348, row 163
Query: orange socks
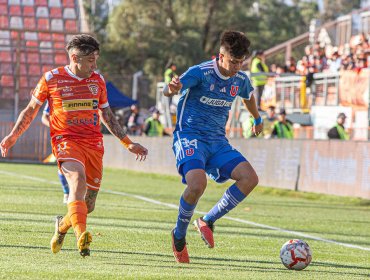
column 77, row 211
column 65, row 224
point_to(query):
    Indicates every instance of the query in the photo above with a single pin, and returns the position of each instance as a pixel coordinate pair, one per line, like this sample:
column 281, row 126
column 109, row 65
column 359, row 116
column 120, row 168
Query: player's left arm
column 251, row 106
column 114, row 128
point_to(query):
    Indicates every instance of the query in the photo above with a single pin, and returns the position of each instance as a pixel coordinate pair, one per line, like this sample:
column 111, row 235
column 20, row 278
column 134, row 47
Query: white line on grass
column 170, row 205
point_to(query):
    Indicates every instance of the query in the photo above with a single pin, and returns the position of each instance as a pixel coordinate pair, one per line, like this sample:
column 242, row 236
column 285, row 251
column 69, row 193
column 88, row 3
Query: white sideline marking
column 174, row 206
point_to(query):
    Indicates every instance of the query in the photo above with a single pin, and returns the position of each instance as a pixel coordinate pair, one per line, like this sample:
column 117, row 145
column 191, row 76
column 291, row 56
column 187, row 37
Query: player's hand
column 139, row 150
column 175, row 85
column 257, row 129
column 6, row 144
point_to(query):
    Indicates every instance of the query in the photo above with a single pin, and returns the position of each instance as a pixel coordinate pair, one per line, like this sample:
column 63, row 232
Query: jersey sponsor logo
column 64, row 81
column 92, row 81
column 84, row 121
column 234, row 90
column 80, row 105
column 215, row 102
column 94, row 89
column 67, row 89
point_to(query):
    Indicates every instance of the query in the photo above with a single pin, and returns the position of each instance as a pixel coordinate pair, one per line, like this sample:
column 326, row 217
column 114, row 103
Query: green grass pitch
column 133, row 218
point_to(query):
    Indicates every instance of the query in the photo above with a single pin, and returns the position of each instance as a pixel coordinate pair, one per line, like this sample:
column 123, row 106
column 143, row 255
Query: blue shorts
column 217, row 157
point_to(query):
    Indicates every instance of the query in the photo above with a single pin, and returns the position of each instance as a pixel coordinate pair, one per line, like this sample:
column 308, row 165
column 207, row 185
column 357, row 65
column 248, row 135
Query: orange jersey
column 74, row 103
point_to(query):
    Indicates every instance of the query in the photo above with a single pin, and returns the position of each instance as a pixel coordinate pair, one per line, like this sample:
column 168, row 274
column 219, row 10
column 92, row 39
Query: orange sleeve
column 103, row 99
column 40, row 93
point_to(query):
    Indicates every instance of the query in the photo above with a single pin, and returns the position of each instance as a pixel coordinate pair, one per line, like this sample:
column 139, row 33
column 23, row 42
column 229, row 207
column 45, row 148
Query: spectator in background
column 338, row 131
column 283, row 128
column 335, row 61
column 153, row 126
column 290, row 66
column 259, row 79
column 170, row 72
column 135, row 122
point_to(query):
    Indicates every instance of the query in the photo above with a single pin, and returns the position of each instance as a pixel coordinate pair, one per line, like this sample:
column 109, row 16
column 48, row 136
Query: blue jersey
column 206, row 98
column 46, row 110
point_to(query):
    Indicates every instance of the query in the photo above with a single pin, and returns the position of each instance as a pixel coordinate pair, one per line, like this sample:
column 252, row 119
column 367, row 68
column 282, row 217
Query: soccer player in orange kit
column 77, row 98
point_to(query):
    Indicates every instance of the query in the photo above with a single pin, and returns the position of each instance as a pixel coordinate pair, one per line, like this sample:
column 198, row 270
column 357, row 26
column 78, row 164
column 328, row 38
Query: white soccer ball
column 296, row 254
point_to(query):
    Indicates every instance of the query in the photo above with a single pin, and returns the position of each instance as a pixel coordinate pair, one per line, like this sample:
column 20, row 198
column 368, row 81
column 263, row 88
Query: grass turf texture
column 131, row 237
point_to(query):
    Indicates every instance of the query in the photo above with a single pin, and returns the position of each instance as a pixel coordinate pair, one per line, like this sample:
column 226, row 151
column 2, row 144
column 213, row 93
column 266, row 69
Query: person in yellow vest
column 153, row 126
column 338, row 131
column 283, row 128
column 170, row 72
column 259, row 79
column 268, row 125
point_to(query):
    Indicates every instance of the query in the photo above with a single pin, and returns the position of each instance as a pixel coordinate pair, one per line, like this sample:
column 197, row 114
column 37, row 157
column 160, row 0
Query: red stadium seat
column 47, row 58
column 7, row 81
column 15, row 10
column 32, row 44
column 3, row 10
column 46, row 68
column 43, row 24
column 33, row 57
column 61, row 59
column 4, row 2
column 41, row 2
column 34, row 69
column 28, row 11
column 58, row 37
column 55, row 13
column 34, row 80
column 30, row 23
column 4, row 22
column 59, row 46
column 70, row 25
column 23, row 82
column 6, row 68
column 23, row 69
column 69, row 3
column 7, row 93
column 5, row 56
column 44, row 36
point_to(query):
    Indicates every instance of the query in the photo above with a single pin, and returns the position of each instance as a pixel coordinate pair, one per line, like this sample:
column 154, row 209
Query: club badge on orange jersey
column 94, row 89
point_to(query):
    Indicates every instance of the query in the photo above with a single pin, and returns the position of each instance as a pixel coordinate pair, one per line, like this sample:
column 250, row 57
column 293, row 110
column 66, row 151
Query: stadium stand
column 33, row 34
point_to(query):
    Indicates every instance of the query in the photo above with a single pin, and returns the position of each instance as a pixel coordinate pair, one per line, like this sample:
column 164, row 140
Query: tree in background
column 146, row 34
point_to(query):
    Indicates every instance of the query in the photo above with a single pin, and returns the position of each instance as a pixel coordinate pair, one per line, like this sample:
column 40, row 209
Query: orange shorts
column 88, row 153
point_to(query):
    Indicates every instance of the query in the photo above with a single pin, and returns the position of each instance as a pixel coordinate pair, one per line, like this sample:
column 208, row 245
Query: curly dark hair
column 236, row 43
column 84, row 43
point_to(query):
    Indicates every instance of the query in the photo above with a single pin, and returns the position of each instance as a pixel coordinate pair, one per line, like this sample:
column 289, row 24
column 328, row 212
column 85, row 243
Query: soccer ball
column 296, row 254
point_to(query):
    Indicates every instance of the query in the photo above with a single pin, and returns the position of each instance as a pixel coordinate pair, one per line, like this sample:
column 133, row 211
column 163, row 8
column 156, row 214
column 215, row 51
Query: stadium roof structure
column 116, row 98
column 33, row 34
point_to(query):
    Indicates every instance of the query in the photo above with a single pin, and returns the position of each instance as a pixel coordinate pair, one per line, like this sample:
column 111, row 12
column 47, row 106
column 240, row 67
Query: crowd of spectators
column 350, row 56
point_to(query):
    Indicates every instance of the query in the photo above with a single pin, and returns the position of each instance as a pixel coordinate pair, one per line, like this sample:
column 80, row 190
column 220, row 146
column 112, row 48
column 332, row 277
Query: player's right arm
column 173, row 87
column 189, row 79
column 23, row 122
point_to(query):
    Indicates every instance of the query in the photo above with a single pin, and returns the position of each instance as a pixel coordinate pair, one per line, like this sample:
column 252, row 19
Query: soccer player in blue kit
column 200, row 145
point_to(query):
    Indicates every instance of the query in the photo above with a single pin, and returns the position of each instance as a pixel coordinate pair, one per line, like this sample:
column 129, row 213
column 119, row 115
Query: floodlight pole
column 135, row 84
column 17, row 76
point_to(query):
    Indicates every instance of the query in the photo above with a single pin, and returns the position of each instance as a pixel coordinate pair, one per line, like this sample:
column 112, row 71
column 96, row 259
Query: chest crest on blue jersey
column 234, row 90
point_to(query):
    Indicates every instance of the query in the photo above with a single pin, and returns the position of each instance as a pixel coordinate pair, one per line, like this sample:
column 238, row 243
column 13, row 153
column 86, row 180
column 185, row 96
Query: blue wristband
column 258, row 121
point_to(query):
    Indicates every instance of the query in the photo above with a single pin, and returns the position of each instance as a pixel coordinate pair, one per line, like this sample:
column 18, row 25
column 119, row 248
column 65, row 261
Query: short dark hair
column 84, row 43
column 236, row 43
